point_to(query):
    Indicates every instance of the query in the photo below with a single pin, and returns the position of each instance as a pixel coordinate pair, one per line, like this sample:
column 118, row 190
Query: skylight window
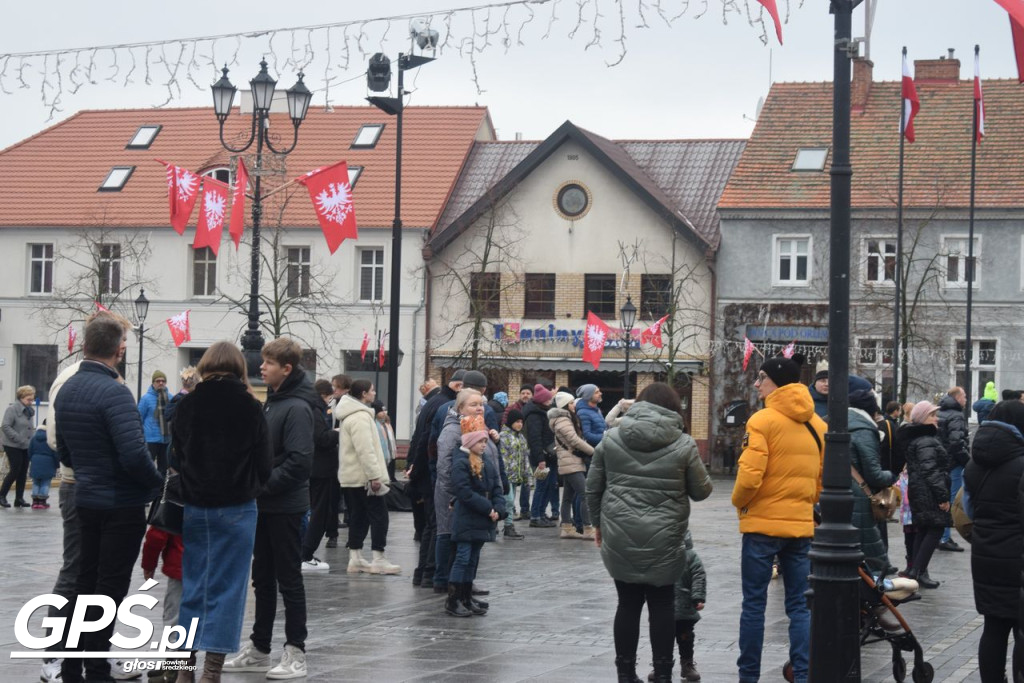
column 116, row 179
column 144, row 137
column 368, row 135
column 353, row 174
column 810, row 159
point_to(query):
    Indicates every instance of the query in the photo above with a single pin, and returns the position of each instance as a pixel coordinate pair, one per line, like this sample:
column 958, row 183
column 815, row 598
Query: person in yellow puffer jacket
column 777, row 485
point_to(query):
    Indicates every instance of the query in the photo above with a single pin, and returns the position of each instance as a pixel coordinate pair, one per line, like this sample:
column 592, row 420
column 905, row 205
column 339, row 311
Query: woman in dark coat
column 993, row 479
column 928, row 467
column 865, row 457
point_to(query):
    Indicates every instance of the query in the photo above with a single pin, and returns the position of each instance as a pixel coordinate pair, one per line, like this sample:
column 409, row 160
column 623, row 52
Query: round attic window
column 572, row 200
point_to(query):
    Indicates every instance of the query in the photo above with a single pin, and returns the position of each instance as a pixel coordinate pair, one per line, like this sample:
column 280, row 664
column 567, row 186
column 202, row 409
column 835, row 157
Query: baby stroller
column 880, row 621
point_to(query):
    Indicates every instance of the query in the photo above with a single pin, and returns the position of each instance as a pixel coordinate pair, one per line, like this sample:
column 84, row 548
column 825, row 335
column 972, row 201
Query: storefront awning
column 567, row 364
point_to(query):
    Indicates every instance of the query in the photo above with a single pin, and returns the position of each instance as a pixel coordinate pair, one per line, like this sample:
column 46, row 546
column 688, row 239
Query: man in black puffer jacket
column 541, row 441
column 953, row 435
column 323, row 476
column 99, row 434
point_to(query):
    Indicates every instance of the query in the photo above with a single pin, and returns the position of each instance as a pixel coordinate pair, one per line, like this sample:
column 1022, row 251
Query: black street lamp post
column 141, row 309
column 299, row 97
column 835, row 553
column 628, row 316
column 378, row 79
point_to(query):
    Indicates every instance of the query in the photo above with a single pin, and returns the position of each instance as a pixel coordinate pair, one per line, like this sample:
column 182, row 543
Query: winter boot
column 475, row 606
column 356, row 562
column 626, row 668
column 511, row 533
column 212, row 665
column 569, row 531
column 417, row 576
column 588, row 533
column 453, row 605
column 688, row 671
column 428, row 579
column 188, row 675
column 663, row 670
column 380, row 564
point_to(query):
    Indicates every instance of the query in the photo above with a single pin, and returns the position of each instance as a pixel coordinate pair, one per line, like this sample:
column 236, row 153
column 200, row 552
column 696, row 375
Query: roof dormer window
column 353, row 175
column 368, row 136
column 116, row 179
column 810, row 159
column 144, row 137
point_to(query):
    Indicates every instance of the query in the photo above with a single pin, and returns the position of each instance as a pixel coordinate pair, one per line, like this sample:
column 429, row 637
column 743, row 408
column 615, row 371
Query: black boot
column 626, row 667
column 428, row 579
column 417, row 576
column 453, row 605
column 474, row 606
column 3, row 502
column 20, row 503
column 663, row 670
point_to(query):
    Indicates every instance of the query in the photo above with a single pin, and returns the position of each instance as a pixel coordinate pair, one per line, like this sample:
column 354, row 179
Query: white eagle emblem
column 335, row 202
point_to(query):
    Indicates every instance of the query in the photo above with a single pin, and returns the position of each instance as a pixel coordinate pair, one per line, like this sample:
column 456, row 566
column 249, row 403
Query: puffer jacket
column 928, row 479
column 591, row 422
column 43, row 459
column 864, row 457
column 290, row 427
column 149, row 407
column 953, row 431
column 475, row 497
column 99, row 433
column 538, row 434
column 17, row 425
column 515, row 455
column 569, row 443
column 692, row 586
column 448, row 444
column 361, row 458
column 642, row 478
column 994, row 478
column 779, row 476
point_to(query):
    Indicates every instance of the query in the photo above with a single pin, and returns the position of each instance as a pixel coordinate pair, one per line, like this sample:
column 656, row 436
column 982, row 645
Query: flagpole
column 898, row 275
column 969, row 266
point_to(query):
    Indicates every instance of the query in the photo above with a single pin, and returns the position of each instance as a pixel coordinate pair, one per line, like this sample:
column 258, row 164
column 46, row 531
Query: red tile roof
column 936, row 166
column 51, row 178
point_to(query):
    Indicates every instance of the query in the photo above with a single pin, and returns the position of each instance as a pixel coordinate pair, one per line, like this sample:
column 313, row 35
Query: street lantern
column 299, row 98
column 141, row 310
column 628, row 316
column 262, row 86
column 223, row 95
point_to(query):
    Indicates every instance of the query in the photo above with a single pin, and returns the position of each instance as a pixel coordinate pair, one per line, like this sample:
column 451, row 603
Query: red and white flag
column 72, row 337
column 789, row 350
column 364, row 346
column 911, row 104
column 101, row 307
column 748, row 351
column 979, row 101
column 380, row 349
column 236, row 226
column 593, row 340
column 652, row 334
column 181, row 332
column 212, row 211
column 1015, row 8
column 182, row 193
column 332, row 198
column 773, row 10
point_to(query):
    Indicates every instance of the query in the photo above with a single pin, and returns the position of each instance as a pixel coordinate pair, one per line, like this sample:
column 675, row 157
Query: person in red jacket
column 163, row 544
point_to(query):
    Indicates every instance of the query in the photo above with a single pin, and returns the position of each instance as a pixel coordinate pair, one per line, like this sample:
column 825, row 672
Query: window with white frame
column 371, row 274
column 792, row 259
column 881, row 260
column 874, row 361
column 221, row 173
column 204, row 272
column 109, row 268
column 983, row 365
column 40, row 268
column 298, row 271
column 957, row 264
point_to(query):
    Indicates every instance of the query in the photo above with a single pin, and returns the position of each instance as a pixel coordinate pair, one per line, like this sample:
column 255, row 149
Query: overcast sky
column 699, row 78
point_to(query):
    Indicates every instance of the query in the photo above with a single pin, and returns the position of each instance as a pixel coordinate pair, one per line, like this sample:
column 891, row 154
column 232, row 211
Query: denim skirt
column 215, row 573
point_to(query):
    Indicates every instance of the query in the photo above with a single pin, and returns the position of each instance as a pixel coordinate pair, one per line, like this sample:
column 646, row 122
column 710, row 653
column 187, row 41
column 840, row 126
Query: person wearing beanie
column 498, row 404
column 777, row 484
column 542, row 456
column 954, row 435
column 571, row 449
column 819, row 390
column 478, row 504
column 591, row 420
column 152, row 409
column 984, row 405
column 928, row 484
column 515, row 455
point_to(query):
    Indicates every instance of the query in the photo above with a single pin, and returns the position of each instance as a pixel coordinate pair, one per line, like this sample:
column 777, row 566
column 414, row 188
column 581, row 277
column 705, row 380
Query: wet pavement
column 552, row 605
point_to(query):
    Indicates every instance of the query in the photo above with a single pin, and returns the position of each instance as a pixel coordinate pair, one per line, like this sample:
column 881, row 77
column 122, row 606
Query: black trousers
column 926, row 540
column 110, row 543
column 992, row 648
column 158, row 451
column 18, row 460
column 277, row 567
column 337, row 504
column 321, row 504
column 660, row 614
column 428, row 538
column 366, row 513
column 684, row 639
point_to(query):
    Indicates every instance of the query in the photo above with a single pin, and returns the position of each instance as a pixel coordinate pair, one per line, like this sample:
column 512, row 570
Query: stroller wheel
column 923, row 673
column 899, row 668
column 787, row 671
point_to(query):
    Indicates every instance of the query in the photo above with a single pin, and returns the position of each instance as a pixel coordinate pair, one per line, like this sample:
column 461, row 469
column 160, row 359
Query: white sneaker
column 50, row 671
column 293, row 665
column 380, row 565
column 248, row 659
column 118, row 673
column 356, row 562
column 315, row 565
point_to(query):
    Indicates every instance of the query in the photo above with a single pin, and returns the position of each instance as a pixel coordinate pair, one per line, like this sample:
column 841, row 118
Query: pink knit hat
column 542, row 394
column 472, row 438
column 921, row 410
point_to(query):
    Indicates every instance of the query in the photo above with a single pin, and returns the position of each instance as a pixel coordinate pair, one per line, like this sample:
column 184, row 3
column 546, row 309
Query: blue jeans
column 956, row 476
column 467, row 558
column 756, row 566
column 41, row 488
column 443, row 546
column 545, row 492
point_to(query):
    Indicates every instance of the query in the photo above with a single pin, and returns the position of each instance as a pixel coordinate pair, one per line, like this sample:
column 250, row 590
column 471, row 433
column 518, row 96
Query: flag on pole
column 748, row 350
column 911, row 104
column 979, row 101
column 72, row 336
column 773, row 10
column 237, row 224
column 210, row 227
column 789, row 350
column 593, row 340
column 380, row 350
column 182, row 193
column 181, row 331
column 652, row 334
column 364, row 346
column 331, row 193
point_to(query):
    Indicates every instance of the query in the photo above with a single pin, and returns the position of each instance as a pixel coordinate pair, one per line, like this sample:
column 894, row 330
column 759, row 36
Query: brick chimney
column 861, row 86
column 941, row 70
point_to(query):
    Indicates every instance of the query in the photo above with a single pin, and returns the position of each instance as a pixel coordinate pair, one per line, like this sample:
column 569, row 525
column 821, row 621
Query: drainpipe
column 709, row 260
column 412, row 375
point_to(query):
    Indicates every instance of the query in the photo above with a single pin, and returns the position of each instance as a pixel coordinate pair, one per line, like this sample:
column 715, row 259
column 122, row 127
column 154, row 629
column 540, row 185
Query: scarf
column 161, row 403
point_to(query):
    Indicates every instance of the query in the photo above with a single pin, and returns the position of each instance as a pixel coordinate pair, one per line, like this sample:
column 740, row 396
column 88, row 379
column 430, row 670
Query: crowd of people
column 260, row 486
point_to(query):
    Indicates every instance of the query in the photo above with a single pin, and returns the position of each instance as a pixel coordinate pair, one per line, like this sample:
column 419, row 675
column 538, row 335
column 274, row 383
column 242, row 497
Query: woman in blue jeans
column 220, row 446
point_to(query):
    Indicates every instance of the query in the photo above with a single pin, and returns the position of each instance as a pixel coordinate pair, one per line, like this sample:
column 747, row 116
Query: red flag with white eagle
column 911, row 104
column 331, row 193
column 364, row 346
column 773, row 10
column 652, row 334
column 1015, row 8
column 181, row 331
column 979, row 101
column 72, row 336
column 789, row 350
column 593, row 340
column 236, row 226
column 182, row 193
column 212, row 211
column 748, row 351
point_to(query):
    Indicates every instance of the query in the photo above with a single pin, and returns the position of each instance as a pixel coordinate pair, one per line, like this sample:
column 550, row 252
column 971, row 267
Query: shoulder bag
column 885, row 503
column 167, row 512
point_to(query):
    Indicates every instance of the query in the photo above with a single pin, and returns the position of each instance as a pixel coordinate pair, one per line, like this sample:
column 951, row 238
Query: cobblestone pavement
column 552, row 605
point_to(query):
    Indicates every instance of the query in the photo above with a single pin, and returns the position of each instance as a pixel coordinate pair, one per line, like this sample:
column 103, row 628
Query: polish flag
column 182, row 193
column 210, row 227
column 181, row 331
column 911, row 104
column 364, row 346
column 652, row 334
column 789, row 350
column 72, row 337
column 331, row 193
column 1015, row 8
column 979, row 101
column 773, row 10
column 236, row 226
column 748, row 351
column 593, row 340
